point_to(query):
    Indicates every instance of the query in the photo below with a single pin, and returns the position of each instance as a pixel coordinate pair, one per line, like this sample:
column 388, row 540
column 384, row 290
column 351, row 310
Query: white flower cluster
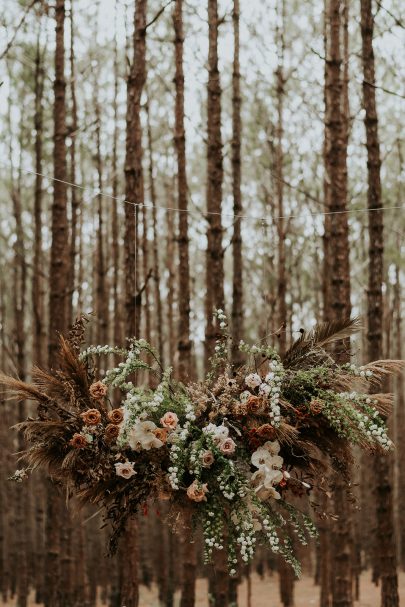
column 246, row 536
column 271, row 388
column 274, row 379
column 271, row 535
column 360, row 371
column 190, row 412
column 19, row 475
column 213, row 537
column 117, row 377
column 101, row 350
column 218, row 433
column 173, row 476
column 369, row 423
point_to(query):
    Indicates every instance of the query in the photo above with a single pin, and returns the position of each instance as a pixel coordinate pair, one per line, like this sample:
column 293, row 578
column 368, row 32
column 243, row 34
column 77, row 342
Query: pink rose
column 207, row 458
column 227, row 446
column 197, row 491
column 169, row 420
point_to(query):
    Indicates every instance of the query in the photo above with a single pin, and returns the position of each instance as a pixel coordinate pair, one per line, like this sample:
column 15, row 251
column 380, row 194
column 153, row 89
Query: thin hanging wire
column 204, row 213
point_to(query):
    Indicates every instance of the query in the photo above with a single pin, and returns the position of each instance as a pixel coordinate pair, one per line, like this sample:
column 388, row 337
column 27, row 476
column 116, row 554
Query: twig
column 21, row 23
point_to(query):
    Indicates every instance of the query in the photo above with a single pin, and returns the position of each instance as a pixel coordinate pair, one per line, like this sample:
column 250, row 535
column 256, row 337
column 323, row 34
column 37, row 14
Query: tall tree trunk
column 156, row 261
column 214, row 258
column 336, row 153
column 134, row 194
column 19, row 334
column 279, row 175
column 115, row 227
column 237, row 283
column 385, row 535
column 74, row 200
column 38, row 283
column 58, row 293
column 184, row 343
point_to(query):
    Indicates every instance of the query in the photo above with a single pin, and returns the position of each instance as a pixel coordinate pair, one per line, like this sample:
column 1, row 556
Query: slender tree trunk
column 237, row 284
column 58, row 292
column 38, row 283
column 214, row 258
column 184, row 343
column 115, row 227
column 155, row 252
column 336, row 125
column 134, row 194
column 385, row 535
column 74, row 200
column 279, row 175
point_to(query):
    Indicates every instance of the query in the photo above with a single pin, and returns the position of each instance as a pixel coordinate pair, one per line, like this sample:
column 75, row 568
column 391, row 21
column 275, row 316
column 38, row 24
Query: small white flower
column 253, row 380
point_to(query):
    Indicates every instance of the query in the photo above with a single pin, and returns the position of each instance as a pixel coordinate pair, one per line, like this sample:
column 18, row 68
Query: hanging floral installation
column 233, row 450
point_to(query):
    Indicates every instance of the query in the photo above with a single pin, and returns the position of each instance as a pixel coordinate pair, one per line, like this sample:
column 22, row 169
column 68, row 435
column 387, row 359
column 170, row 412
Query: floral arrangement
column 233, row 450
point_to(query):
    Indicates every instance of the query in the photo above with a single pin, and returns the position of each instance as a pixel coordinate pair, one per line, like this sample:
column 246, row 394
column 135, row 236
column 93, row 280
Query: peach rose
column 98, row 390
column 255, row 404
column 91, row 417
column 161, row 434
column 125, row 470
column 228, row 446
column 169, row 420
column 116, row 416
column 207, row 458
column 196, row 492
column 78, row 441
column 111, row 432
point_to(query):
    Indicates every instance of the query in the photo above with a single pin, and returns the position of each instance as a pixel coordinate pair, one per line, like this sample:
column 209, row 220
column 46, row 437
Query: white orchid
column 142, row 436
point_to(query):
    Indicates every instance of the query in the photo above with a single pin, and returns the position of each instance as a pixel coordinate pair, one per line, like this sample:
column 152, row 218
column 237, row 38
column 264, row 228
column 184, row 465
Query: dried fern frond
column 309, row 348
column 382, row 369
column 21, row 390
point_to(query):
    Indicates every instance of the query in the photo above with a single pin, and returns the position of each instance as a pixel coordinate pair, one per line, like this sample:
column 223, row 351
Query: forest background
column 158, row 160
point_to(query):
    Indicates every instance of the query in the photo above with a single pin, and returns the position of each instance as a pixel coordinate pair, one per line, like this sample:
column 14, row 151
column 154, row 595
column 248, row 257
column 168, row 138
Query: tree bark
column 214, row 257
column 184, row 343
column 336, row 124
column 58, row 293
column 134, row 194
column 237, row 284
column 385, row 533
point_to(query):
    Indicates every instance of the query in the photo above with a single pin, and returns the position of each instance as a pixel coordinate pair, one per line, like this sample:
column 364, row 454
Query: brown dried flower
column 111, row 432
column 240, row 409
column 116, row 416
column 316, row 407
column 91, row 417
column 255, row 404
column 98, row 390
column 78, row 441
column 266, row 431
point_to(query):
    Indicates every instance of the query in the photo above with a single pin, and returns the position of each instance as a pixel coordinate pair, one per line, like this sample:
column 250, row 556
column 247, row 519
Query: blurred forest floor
column 265, row 593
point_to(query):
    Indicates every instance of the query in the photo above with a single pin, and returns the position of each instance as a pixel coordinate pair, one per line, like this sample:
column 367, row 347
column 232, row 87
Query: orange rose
column 161, row 434
column 78, row 441
column 116, row 416
column 207, row 458
column 91, row 417
column 255, row 404
column 196, row 492
column 98, row 390
column 169, row 420
column 266, row 431
column 111, row 432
